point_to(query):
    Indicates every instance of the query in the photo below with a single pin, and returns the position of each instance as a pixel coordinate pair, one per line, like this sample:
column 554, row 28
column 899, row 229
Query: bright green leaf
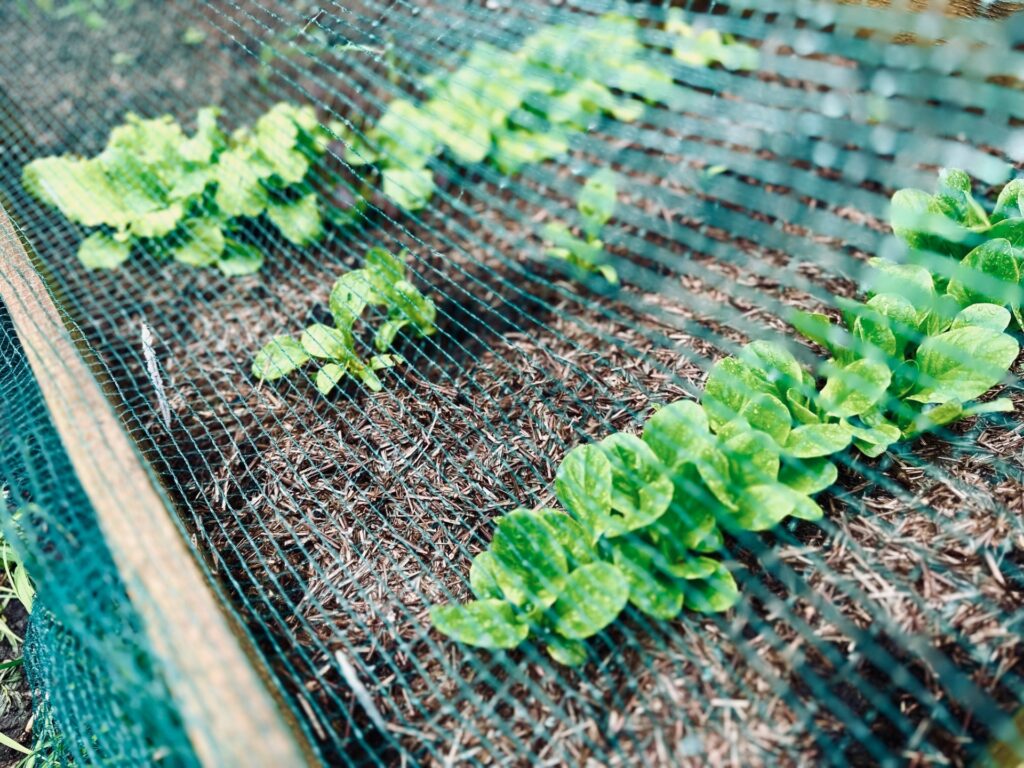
column 278, row 358
column 239, row 259
column 583, row 485
column 481, row 577
column 101, row 251
column 483, row 623
column 328, row 376
column 677, row 433
column 410, row 189
column 591, row 598
column 531, row 562
column 814, row 440
column 201, row 244
column 349, row 296
column 715, row 594
column 990, row 316
column 298, row 220
column 327, row 343
column 651, row 589
column 962, row 364
column 641, row 487
column 855, row 388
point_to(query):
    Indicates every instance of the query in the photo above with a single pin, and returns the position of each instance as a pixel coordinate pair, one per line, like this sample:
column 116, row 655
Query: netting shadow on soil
column 887, row 632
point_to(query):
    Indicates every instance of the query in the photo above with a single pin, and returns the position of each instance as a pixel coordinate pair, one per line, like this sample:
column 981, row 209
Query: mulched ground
column 337, row 523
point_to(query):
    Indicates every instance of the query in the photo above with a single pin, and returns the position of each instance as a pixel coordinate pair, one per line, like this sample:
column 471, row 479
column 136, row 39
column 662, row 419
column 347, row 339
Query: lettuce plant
column 514, row 108
column 188, row 196
column 951, row 221
column 380, row 283
column 642, row 517
column 953, row 225
column 89, row 12
column 596, row 205
column 702, row 48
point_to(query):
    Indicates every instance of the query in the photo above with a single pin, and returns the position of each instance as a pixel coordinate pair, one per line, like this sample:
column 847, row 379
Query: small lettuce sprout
column 522, row 107
column 596, row 205
column 381, row 283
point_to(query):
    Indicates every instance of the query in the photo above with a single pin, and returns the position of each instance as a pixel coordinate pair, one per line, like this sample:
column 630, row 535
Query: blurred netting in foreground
column 888, row 633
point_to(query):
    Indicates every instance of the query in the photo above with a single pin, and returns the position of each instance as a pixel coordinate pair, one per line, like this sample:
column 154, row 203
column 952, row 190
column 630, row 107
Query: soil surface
column 335, row 523
column 15, row 698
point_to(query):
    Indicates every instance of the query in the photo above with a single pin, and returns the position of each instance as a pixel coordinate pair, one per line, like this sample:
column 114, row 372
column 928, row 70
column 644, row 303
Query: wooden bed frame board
column 230, row 713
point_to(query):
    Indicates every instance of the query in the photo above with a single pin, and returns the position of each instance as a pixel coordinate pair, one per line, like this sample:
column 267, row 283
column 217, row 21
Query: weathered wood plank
column 230, row 714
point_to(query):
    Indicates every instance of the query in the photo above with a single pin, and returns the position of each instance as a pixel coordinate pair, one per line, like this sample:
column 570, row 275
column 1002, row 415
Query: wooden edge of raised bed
column 230, row 713
column 1004, row 754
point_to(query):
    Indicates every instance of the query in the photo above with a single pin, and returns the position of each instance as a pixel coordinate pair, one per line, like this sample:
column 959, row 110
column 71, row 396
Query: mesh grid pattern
column 888, row 632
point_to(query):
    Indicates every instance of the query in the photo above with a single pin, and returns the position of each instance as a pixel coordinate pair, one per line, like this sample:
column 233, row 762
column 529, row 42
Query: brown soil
column 15, row 699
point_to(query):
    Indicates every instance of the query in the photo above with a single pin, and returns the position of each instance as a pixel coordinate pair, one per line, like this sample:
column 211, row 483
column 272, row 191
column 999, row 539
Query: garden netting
column 755, row 150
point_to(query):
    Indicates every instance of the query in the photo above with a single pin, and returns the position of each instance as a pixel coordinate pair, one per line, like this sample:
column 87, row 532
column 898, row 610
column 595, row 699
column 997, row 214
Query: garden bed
column 341, row 521
column 373, row 502
column 335, row 523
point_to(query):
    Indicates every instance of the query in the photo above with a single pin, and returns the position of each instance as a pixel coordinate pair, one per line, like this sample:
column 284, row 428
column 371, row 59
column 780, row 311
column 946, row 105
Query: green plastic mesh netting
column 519, row 235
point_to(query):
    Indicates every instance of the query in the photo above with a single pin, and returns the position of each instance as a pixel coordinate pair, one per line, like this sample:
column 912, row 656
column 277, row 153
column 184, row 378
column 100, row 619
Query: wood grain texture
column 230, row 714
column 1009, row 753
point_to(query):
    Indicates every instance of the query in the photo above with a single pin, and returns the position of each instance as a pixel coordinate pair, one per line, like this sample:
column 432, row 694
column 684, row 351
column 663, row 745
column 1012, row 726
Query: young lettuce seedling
column 516, row 108
column 381, row 283
column 596, row 204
